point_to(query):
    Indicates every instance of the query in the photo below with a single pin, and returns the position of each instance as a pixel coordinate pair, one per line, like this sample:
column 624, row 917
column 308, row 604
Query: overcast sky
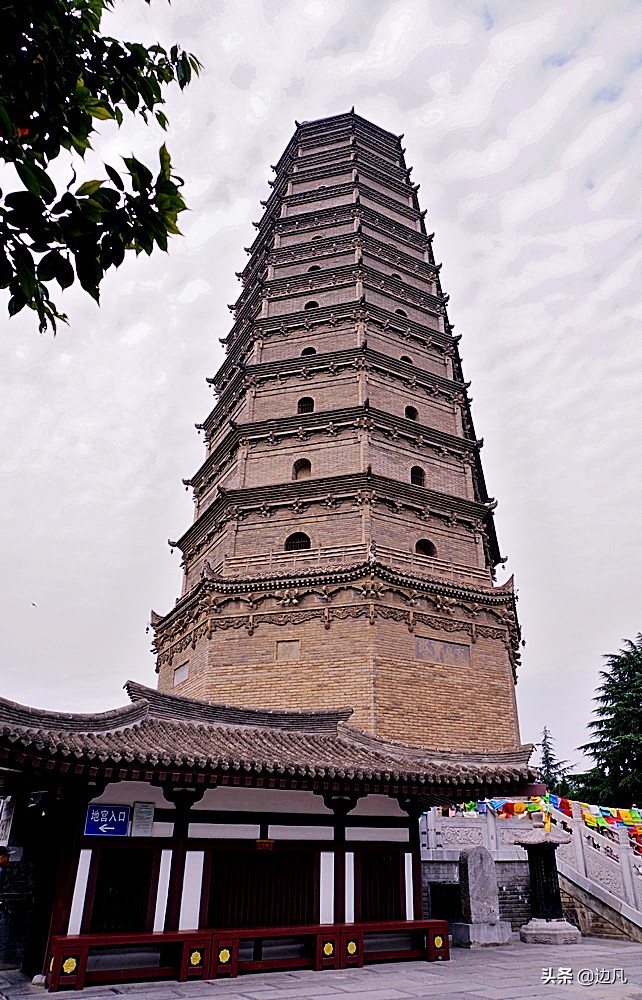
column 521, row 121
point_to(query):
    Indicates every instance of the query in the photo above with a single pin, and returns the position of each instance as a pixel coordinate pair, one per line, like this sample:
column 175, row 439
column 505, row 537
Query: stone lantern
column 547, row 924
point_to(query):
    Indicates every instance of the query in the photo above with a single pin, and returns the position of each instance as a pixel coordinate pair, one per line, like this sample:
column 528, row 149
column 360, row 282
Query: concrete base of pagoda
column 538, row 931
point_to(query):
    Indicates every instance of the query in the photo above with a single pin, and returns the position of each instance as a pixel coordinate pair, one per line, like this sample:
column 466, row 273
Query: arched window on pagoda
column 305, row 405
column 313, row 267
column 401, row 312
column 411, row 413
column 299, row 540
column 302, row 469
column 312, row 304
column 425, row 547
column 308, row 352
column 404, row 357
column 417, row 476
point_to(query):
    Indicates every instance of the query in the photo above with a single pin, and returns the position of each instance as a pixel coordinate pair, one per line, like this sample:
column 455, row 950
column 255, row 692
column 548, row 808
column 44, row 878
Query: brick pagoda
column 343, row 546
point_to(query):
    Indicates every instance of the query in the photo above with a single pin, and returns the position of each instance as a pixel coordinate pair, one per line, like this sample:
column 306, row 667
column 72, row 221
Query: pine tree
column 552, row 771
column 616, row 746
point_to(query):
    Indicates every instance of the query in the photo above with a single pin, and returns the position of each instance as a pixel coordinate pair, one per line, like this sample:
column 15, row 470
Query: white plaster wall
column 300, row 833
column 376, row 833
column 410, row 907
column 125, row 793
column 262, row 800
column 162, row 830
column 349, row 911
column 163, row 890
column 191, row 898
column 326, row 914
column 80, row 891
column 378, row 805
column 225, row 831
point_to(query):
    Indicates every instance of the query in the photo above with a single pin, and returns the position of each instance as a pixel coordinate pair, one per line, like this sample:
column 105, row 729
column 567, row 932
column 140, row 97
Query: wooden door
column 250, row 888
column 121, row 897
column 379, row 885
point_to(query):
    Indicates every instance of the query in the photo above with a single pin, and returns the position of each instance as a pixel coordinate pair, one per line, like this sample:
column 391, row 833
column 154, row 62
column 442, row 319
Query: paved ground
column 515, row 972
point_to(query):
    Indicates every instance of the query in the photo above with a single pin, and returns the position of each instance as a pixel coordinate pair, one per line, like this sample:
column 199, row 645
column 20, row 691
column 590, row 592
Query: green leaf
column 60, row 77
column 36, row 180
column 48, row 266
column 6, row 271
column 32, row 175
column 114, row 177
column 165, row 161
column 141, row 176
column 66, row 204
column 6, row 125
column 28, row 178
column 80, row 144
column 98, row 110
column 26, row 204
column 16, row 303
column 89, row 271
column 25, row 271
column 88, row 188
column 64, row 272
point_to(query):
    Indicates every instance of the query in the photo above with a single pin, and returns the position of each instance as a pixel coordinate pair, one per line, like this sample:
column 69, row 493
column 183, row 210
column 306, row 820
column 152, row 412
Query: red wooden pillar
column 414, row 810
column 339, row 870
column 183, row 799
column 67, row 818
column 341, row 804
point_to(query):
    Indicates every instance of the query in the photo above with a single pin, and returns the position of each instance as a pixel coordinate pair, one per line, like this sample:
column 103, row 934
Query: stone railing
column 607, row 864
column 606, row 857
column 442, row 838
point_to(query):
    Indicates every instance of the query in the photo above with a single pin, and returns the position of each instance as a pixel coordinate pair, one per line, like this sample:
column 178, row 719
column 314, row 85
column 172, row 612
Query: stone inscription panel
column 452, row 654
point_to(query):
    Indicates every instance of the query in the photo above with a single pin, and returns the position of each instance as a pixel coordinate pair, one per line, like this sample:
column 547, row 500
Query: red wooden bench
column 84, row 959
column 182, row 955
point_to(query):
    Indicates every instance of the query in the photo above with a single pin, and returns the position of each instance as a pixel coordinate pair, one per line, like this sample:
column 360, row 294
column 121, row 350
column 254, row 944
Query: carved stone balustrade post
column 626, row 870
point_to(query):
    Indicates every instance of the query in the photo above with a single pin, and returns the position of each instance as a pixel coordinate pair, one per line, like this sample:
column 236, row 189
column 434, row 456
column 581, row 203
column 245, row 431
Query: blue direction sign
column 107, row 821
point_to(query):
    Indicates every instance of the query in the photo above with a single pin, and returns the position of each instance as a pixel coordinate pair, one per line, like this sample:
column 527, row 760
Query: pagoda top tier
column 323, row 161
column 334, row 127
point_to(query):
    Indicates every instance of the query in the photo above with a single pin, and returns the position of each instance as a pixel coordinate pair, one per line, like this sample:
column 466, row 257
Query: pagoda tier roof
column 349, row 485
column 166, row 731
column 272, row 218
column 351, row 311
column 335, row 362
column 327, row 217
column 305, row 425
column 337, row 162
column 329, row 246
column 331, row 190
column 343, row 275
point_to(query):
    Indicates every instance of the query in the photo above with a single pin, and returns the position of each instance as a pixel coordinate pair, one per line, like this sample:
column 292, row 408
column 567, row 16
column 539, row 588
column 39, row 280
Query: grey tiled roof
column 161, row 730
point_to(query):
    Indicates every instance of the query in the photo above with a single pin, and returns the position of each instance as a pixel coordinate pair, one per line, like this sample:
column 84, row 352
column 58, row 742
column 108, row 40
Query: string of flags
column 594, row 816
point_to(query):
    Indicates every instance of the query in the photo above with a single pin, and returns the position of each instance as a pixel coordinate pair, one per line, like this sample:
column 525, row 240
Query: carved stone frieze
column 465, row 836
column 184, row 633
column 605, row 874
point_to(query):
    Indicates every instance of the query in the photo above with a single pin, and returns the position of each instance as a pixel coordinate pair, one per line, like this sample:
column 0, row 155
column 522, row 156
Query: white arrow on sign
column 104, row 828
